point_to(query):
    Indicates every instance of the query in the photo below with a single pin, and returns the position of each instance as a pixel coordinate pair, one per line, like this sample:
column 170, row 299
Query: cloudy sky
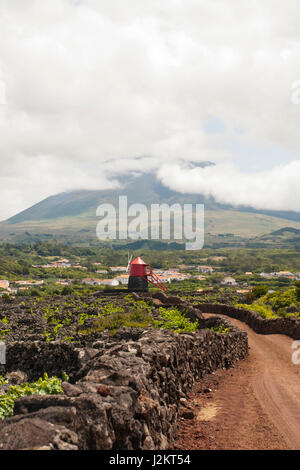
column 90, row 89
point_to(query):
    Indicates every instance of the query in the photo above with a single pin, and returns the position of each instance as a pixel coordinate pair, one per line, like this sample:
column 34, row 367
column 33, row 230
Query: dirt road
column 255, row 405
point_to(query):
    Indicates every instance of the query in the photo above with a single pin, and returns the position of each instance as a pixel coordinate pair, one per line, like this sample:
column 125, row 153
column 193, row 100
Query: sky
column 90, row 90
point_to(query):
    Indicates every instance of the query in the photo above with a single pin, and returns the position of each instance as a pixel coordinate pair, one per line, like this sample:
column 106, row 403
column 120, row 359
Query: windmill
column 129, row 261
column 140, row 274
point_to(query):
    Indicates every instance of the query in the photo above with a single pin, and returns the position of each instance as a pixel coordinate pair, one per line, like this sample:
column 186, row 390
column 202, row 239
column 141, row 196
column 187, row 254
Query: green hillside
column 71, row 217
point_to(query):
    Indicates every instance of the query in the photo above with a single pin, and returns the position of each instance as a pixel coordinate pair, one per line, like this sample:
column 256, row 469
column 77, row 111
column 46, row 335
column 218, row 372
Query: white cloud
column 90, row 85
column 276, row 189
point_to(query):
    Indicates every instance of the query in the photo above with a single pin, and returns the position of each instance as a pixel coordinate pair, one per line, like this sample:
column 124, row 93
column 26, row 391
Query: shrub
column 138, row 318
column 263, row 310
column 274, row 304
column 173, row 319
column 219, row 329
column 43, row 386
column 67, row 290
column 259, row 291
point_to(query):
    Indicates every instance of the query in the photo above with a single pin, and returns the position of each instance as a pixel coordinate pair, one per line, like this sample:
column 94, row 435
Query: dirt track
column 256, row 405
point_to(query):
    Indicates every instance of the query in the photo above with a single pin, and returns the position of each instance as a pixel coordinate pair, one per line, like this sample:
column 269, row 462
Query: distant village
column 118, row 275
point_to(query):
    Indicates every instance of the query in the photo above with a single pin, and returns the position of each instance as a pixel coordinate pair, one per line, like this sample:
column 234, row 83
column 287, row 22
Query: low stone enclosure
column 124, row 391
column 263, row 326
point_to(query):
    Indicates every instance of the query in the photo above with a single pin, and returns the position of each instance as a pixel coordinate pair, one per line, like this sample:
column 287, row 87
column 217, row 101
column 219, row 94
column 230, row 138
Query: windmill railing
column 154, row 279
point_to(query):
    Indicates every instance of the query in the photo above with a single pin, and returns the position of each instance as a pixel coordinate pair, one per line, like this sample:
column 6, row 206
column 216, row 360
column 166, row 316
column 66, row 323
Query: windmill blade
column 129, row 261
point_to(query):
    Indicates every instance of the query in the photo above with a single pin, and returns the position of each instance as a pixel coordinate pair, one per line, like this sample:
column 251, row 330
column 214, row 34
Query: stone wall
column 125, row 392
column 36, row 357
column 265, row 326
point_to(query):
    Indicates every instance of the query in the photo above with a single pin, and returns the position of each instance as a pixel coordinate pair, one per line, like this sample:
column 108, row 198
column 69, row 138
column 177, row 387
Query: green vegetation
column 259, row 291
column 219, row 329
column 68, row 311
column 282, row 303
column 4, row 333
column 111, row 317
column 173, row 319
column 66, row 318
column 141, row 317
column 263, row 310
column 43, row 386
column 135, row 319
column 17, row 260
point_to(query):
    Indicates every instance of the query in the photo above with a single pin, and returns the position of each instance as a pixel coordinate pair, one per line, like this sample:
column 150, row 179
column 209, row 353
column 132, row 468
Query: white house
column 205, row 269
column 229, row 281
column 4, row 284
column 100, row 282
column 92, row 281
column 122, row 279
column 115, row 269
column 109, row 282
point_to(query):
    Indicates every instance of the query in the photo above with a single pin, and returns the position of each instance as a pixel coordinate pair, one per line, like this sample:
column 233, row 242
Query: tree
column 67, row 290
column 259, row 291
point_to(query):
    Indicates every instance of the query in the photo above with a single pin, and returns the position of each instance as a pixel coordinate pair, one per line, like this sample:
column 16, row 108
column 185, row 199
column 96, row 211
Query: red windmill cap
column 139, row 260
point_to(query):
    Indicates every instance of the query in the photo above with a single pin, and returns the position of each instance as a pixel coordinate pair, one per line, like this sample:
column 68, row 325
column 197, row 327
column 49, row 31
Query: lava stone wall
column 35, row 358
column 125, row 393
column 265, row 326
